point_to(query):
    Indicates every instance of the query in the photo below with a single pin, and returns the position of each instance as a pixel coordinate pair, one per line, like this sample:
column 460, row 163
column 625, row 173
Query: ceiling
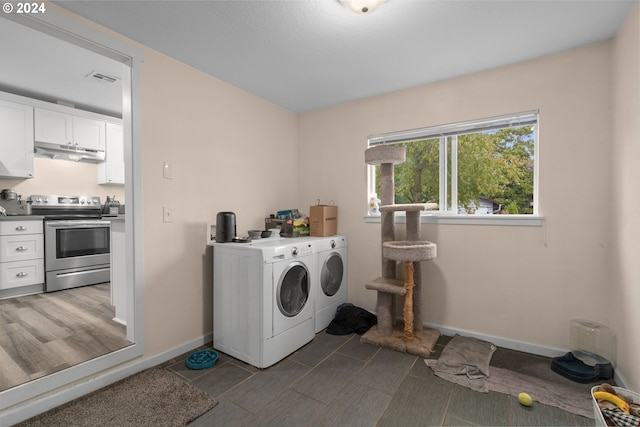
column 309, row 54
column 40, row 66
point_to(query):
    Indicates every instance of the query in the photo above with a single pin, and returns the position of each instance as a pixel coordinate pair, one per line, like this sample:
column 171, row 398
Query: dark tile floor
column 339, row 381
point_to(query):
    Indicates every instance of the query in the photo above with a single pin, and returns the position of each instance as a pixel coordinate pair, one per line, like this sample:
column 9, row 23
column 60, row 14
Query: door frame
column 39, row 395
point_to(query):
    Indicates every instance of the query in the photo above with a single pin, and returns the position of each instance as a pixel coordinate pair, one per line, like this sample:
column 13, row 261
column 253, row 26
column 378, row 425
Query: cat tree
column 412, row 338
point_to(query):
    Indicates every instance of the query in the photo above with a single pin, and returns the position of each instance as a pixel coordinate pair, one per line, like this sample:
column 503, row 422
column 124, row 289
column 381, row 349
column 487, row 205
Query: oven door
column 71, row 244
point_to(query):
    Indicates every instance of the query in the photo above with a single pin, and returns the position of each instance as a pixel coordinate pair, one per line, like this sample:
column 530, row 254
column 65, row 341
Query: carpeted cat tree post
column 412, row 338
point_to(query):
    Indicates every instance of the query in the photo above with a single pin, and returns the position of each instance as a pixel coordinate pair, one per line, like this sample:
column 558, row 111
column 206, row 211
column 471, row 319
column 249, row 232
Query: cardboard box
column 323, row 220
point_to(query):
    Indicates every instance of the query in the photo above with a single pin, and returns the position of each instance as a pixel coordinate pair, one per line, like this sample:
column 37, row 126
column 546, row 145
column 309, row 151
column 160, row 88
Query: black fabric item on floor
column 351, row 319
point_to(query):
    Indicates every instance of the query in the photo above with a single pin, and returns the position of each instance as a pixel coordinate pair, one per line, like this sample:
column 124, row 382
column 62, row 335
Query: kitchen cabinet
column 118, row 272
column 112, row 170
column 21, row 253
column 61, row 128
column 16, row 140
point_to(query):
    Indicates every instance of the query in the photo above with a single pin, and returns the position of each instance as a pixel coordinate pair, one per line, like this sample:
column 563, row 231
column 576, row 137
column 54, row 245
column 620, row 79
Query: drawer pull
column 21, row 248
column 21, row 228
column 22, row 274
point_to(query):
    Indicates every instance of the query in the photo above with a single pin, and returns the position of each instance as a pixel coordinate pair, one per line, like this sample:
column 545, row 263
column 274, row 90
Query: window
column 482, row 167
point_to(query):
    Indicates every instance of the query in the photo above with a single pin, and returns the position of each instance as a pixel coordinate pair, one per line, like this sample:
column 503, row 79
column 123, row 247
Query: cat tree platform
column 422, row 345
column 409, row 251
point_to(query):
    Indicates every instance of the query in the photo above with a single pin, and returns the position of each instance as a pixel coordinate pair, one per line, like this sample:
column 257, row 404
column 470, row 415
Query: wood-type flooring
column 341, row 381
column 44, row 333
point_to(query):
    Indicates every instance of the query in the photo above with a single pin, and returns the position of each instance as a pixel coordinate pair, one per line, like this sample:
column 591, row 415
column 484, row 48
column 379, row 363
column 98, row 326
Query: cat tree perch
column 413, row 338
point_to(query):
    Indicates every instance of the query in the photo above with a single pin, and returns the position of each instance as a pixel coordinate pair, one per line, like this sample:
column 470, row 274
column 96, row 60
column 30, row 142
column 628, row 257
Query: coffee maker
column 225, row 227
column 11, row 202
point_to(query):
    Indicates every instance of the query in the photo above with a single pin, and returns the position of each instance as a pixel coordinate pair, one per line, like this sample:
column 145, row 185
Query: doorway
column 61, row 27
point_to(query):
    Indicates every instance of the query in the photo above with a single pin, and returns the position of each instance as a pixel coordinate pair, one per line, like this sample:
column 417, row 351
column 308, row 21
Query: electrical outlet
column 167, row 214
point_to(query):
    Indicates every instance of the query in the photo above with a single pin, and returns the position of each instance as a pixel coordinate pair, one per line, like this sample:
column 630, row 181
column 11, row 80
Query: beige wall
column 63, row 177
column 522, row 284
column 231, row 151
column 624, row 286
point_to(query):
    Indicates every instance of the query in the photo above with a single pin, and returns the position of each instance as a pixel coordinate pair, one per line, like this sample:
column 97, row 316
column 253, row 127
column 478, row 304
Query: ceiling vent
column 102, row 78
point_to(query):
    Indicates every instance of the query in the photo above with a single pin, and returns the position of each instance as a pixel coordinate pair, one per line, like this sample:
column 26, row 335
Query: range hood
column 66, row 152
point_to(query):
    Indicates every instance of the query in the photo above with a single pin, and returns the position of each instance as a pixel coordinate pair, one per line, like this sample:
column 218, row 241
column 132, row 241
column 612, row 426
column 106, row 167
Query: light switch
column 167, row 170
column 167, row 214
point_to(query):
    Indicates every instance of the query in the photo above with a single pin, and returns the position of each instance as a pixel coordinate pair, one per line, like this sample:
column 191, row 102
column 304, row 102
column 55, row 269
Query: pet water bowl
column 202, row 359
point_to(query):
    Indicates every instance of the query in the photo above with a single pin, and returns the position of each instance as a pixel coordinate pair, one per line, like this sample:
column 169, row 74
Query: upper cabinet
column 112, row 170
column 65, row 129
column 16, row 140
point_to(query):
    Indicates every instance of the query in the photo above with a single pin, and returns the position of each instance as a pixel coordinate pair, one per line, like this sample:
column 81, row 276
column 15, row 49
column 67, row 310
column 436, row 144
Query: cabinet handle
column 22, row 274
column 21, row 228
column 21, row 248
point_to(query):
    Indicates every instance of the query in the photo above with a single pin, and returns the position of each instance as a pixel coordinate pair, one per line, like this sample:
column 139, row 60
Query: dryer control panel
column 301, row 250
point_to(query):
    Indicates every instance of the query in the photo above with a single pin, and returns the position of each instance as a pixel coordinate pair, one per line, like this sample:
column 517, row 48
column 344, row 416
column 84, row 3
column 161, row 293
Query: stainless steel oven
column 76, row 241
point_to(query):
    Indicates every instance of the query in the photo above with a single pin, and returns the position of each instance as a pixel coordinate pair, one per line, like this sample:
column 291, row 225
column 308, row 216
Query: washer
column 332, row 279
column 263, row 299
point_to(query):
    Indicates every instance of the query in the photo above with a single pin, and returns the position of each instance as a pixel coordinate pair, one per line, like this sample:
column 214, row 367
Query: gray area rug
column 466, row 360
column 566, row 397
column 154, row 397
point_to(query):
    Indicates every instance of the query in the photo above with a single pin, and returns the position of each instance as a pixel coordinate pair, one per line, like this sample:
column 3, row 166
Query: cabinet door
column 16, row 140
column 53, row 126
column 112, row 170
column 18, row 248
column 88, row 133
column 21, row 273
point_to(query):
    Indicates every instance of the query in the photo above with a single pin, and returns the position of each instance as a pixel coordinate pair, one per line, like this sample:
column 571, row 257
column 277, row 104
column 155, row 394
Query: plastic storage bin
column 600, row 421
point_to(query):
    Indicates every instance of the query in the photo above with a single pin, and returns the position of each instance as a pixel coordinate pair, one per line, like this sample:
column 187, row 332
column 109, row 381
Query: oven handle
column 77, row 224
column 79, row 273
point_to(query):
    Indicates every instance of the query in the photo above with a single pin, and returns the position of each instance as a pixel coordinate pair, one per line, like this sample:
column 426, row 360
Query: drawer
column 20, row 227
column 21, row 273
column 18, row 248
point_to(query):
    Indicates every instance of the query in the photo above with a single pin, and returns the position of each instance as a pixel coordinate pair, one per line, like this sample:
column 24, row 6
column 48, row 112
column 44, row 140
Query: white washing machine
column 332, row 278
column 263, row 298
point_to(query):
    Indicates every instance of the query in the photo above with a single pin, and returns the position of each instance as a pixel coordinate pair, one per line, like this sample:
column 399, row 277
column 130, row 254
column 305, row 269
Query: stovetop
column 65, row 207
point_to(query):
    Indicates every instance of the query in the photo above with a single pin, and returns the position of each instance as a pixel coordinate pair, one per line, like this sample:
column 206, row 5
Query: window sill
column 510, row 220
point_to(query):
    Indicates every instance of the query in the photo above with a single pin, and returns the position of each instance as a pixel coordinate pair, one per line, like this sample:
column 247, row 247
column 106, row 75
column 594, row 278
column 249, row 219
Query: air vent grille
column 100, row 77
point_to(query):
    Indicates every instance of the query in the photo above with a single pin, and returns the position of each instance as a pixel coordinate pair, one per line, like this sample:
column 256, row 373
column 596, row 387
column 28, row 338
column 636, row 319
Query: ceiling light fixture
column 362, row 7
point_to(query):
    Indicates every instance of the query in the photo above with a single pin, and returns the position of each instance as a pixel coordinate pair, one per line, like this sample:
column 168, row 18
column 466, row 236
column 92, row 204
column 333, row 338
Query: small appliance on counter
column 10, row 201
column 112, row 207
column 225, row 227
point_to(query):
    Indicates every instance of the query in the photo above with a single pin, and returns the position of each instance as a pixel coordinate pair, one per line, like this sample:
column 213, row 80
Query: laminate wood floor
column 48, row 332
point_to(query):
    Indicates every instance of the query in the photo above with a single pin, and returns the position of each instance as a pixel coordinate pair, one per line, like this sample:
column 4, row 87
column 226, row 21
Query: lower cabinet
column 21, row 255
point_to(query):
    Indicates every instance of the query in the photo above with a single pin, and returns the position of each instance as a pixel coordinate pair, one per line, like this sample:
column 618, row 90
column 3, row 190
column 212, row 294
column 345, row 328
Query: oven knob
column 333, row 244
column 294, row 251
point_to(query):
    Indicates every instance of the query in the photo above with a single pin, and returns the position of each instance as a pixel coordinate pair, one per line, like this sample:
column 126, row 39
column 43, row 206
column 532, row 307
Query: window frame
column 453, row 130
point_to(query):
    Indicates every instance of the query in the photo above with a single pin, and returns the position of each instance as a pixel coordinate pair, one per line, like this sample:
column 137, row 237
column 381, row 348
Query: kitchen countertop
column 22, row 218
column 119, row 217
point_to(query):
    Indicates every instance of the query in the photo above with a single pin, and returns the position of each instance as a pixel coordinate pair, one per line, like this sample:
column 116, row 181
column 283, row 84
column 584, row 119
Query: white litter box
column 633, row 397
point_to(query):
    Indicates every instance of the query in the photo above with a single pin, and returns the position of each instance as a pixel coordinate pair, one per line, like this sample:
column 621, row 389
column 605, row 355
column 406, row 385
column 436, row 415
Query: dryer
column 332, row 278
column 263, row 299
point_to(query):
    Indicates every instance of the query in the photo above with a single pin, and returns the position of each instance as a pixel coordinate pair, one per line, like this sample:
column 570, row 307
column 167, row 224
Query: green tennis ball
column 524, row 399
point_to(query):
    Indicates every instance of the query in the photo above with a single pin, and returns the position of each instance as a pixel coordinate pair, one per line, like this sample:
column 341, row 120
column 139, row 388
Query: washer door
column 293, row 289
column 332, row 274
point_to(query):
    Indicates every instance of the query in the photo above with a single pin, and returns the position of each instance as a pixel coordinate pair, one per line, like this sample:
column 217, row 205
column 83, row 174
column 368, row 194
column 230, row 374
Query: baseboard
column 523, row 346
column 31, row 408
